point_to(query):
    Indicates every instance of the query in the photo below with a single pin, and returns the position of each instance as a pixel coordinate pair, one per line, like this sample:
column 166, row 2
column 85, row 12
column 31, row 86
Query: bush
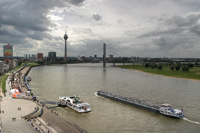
column 146, row 65
column 160, row 67
column 183, row 68
column 153, row 66
column 177, row 67
column 186, row 68
column 171, row 67
column 190, row 65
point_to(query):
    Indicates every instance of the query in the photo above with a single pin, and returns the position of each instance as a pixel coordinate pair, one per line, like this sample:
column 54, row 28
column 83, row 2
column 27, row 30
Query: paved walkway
column 59, row 124
column 11, row 115
column 11, row 112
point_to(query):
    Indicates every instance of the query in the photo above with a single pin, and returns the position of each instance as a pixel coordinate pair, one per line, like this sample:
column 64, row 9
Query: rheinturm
column 65, row 37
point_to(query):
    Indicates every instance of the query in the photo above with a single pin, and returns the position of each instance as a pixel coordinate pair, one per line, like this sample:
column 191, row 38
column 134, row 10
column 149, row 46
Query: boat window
column 75, row 101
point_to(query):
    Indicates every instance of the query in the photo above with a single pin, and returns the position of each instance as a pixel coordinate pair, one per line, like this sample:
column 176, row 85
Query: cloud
column 96, row 17
column 76, row 2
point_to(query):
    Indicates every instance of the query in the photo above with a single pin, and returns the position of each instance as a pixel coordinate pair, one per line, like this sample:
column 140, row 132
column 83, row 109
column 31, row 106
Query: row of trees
column 153, row 66
column 171, row 67
column 178, row 67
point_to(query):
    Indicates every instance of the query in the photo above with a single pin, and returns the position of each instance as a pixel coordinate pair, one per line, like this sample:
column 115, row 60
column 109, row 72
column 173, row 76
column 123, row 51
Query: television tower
column 65, row 37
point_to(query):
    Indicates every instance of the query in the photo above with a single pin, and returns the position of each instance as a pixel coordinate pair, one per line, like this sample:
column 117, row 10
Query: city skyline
column 129, row 28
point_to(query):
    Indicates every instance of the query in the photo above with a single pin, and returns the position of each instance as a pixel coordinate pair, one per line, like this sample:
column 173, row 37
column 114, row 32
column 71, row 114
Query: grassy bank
column 3, row 83
column 33, row 64
column 4, row 77
column 193, row 73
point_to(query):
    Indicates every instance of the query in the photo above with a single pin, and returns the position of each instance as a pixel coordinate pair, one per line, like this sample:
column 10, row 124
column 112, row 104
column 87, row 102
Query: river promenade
column 14, row 112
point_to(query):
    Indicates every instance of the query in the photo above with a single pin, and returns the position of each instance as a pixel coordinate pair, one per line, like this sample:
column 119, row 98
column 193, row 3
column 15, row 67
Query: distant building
column 79, row 58
column 110, row 57
column 33, row 56
column 40, row 56
column 1, row 67
column 15, row 63
column 52, row 55
column 7, row 51
column 95, row 56
column 83, row 58
column 25, row 56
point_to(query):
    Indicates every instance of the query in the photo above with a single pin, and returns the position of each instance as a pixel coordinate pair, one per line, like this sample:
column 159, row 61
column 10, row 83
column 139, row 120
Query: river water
column 107, row 116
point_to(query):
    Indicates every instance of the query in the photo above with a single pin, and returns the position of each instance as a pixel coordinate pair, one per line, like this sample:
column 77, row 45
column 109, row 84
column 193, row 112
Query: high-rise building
column 1, row 67
column 25, row 56
column 7, row 51
column 52, row 55
column 40, row 56
column 33, row 56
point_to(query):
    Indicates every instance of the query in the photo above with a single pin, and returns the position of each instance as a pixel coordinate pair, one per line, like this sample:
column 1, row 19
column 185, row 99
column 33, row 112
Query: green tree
column 177, row 67
column 160, row 67
column 154, row 66
column 186, row 68
column 146, row 65
column 190, row 65
column 171, row 67
column 183, row 68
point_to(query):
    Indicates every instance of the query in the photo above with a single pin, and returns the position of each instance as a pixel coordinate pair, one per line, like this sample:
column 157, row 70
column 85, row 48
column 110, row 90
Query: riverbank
column 192, row 74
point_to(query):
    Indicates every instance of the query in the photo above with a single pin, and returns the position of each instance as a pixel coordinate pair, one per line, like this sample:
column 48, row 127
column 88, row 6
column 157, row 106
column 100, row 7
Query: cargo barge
column 164, row 109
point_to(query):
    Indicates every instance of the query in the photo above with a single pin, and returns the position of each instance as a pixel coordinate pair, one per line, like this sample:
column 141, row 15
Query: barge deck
column 130, row 101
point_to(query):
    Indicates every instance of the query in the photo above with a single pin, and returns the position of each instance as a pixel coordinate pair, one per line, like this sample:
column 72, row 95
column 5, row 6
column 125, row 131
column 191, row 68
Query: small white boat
column 166, row 109
column 75, row 103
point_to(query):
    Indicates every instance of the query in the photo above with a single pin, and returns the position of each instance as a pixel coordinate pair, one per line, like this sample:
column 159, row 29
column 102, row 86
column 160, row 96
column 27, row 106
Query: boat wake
column 195, row 122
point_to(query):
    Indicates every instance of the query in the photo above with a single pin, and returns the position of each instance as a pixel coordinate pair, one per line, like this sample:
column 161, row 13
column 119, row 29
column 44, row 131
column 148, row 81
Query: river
column 107, row 116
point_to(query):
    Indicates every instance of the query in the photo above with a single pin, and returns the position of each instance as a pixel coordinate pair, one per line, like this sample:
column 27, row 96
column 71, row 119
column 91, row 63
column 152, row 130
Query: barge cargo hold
column 164, row 109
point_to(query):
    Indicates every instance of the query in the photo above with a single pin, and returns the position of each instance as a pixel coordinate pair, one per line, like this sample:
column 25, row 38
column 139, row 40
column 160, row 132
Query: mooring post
column 104, row 55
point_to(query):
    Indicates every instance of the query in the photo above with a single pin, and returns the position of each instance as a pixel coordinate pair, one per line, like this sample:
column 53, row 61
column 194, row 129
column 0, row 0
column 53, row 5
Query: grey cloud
column 175, row 25
column 76, row 2
column 167, row 43
column 182, row 21
column 96, row 17
column 120, row 21
column 195, row 29
column 29, row 18
column 159, row 32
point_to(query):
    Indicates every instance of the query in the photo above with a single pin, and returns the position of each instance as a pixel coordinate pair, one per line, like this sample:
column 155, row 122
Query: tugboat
column 75, row 103
column 166, row 109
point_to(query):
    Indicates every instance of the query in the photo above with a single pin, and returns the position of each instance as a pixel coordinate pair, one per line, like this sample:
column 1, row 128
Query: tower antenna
column 65, row 37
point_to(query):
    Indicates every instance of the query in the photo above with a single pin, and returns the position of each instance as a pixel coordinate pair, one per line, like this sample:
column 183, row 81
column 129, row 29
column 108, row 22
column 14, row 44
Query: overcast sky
column 145, row 28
